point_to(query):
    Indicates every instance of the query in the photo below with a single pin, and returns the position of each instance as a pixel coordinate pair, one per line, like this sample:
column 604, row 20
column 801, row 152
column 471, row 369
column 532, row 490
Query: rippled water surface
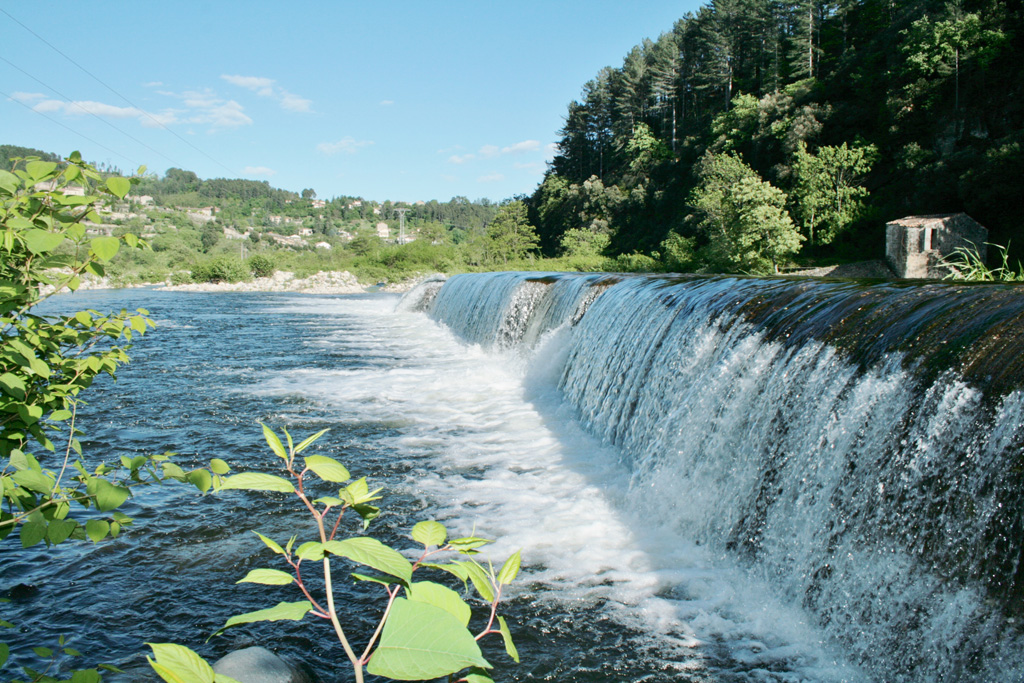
column 469, row 437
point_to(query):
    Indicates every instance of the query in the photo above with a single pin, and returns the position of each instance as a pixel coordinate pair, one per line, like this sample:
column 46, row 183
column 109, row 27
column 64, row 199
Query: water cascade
column 860, row 447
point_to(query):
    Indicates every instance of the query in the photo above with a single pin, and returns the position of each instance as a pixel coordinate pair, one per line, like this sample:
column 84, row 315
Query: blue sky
column 384, row 100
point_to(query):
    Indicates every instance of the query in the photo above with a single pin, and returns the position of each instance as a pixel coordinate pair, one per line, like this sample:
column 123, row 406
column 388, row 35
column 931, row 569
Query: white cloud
column 551, row 149
column 386, row 103
column 489, row 151
column 490, row 178
column 258, row 171
column 460, row 158
column 152, row 84
column 202, row 106
column 259, row 85
column 524, row 146
column 265, row 87
column 294, row 102
column 26, row 97
column 348, row 145
column 228, row 114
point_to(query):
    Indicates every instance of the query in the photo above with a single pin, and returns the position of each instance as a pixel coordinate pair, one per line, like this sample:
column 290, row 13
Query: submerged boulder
column 259, row 665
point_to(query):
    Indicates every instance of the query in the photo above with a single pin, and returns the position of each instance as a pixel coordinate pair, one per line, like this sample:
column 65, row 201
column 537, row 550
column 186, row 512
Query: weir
column 858, row 446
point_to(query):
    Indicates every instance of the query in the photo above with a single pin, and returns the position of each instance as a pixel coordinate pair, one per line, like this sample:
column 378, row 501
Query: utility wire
column 98, row 80
column 84, row 137
column 92, row 114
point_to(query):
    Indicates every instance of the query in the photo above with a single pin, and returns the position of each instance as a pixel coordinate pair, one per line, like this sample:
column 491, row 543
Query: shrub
column 261, row 265
column 221, row 269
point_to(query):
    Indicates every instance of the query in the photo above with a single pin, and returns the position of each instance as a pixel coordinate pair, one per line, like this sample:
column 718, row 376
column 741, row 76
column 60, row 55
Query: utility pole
column 401, row 224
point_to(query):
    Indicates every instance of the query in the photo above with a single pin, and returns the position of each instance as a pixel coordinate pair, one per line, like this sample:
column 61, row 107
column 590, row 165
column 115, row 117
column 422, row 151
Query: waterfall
column 860, row 446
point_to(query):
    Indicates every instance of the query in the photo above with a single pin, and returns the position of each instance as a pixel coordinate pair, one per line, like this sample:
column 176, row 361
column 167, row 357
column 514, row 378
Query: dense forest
column 758, row 131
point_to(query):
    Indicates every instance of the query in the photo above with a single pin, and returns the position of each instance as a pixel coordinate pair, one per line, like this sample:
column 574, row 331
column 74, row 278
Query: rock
column 259, row 665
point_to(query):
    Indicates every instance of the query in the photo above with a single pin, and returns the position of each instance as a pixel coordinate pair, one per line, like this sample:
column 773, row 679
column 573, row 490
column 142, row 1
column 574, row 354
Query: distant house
column 67, row 190
column 319, row 203
column 383, row 231
column 305, row 232
column 915, row 246
column 322, row 245
column 145, row 199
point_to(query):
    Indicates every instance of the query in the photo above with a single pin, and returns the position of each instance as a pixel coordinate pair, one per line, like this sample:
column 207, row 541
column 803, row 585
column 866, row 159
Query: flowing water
column 710, row 479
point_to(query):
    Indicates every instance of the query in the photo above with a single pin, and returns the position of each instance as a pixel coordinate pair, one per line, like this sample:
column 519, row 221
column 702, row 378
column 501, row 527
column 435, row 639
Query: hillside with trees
column 756, row 132
column 234, row 229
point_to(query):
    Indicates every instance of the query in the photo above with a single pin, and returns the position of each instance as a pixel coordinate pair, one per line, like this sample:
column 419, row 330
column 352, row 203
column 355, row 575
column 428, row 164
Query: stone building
column 916, row 245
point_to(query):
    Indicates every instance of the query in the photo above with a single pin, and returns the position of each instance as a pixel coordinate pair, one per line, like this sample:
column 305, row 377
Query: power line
column 111, row 89
column 90, row 113
column 69, row 128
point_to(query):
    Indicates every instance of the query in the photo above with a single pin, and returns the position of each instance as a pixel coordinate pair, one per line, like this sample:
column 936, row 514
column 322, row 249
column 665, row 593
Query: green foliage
column 743, row 216
column 510, row 236
column 827, row 193
column 49, row 494
column 678, row 253
column 966, row 264
column 423, row 630
column 580, row 242
column 261, row 265
column 221, row 269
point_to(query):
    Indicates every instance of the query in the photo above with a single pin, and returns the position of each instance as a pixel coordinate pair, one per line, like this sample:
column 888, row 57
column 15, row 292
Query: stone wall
column 916, row 245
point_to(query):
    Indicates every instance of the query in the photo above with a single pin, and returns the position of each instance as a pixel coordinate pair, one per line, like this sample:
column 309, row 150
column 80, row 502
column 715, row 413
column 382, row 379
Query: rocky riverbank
column 328, row 282
column 325, row 282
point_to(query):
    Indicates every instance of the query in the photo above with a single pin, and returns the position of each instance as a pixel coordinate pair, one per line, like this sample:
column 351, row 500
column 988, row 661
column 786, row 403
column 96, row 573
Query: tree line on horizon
column 755, row 131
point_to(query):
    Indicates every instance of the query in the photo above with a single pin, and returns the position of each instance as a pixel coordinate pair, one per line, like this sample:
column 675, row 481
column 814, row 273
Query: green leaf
column 9, row 181
column 372, row 553
column 481, row 580
column 268, row 577
column 86, row 676
column 108, row 496
column 32, row 533
column 455, row 569
column 5, row 652
column 468, row 543
column 37, row 170
column 59, row 530
column 440, row 596
column 218, row 466
column 311, row 550
column 257, row 481
column 423, row 642
column 270, row 543
column 42, row 241
column 327, row 469
column 306, row 443
column 173, row 471
column 382, row 580
column 34, row 481
column 476, row 675
column 201, row 479
column 506, row 635
column 274, row 442
column 182, row 664
column 105, row 248
column 43, row 651
column 119, row 186
column 429, row 532
column 509, row 570
column 13, row 385
column 97, row 529
column 286, row 611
